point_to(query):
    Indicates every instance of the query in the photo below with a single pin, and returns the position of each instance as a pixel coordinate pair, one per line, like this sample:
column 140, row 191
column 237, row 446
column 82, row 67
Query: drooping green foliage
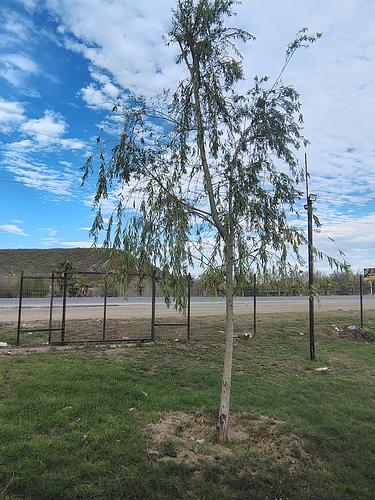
column 205, row 166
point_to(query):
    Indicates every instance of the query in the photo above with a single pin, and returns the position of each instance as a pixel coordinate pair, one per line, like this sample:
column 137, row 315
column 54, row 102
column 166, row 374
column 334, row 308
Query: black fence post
column 65, row 285
column 311, row 277
column 105, row 308
column 19, row 308
column 255, row 304
column 153, row 306
column 189, row 306
column 361, row 298
column 51, row 308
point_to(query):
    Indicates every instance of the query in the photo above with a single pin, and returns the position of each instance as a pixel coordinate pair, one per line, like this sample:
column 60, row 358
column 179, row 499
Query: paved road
column 92, row 307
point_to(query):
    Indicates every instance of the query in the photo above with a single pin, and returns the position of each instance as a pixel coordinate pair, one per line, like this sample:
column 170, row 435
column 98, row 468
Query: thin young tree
column 206, row 174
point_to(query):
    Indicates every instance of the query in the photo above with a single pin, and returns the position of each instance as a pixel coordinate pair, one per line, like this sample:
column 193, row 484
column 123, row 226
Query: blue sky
column 64, row 62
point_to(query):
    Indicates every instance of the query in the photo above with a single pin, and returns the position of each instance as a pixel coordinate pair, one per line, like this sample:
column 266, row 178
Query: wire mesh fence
column 78, row 306
column 96, row 305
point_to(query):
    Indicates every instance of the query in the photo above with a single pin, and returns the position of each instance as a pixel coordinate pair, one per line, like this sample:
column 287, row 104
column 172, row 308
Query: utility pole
column 310, row 198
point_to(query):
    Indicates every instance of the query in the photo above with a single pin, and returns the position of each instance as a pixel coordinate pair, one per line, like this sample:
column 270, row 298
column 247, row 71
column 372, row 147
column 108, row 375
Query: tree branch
column 194, row 71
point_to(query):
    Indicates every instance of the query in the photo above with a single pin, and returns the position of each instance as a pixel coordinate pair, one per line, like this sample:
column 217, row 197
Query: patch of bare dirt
column 190, row 438
column 94, row 349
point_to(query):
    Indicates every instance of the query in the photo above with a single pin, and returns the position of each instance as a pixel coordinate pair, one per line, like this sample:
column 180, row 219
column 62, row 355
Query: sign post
column 368, row 275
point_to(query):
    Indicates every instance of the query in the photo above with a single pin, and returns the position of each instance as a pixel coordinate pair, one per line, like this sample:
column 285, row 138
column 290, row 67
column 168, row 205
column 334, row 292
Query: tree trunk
column 223, row 421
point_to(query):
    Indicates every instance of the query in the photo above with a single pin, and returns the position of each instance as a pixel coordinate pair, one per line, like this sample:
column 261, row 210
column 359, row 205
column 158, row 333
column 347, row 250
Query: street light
column 309, row 207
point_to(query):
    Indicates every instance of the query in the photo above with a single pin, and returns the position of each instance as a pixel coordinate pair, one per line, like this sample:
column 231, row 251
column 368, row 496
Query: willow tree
column 206, row 174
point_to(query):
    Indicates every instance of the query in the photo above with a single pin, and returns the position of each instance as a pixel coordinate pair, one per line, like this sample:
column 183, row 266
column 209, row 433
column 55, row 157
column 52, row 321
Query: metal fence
column 77, row 307
column 92, row 307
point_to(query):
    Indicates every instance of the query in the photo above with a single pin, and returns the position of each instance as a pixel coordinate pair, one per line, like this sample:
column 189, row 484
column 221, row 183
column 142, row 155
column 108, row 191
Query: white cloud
column 15, row 29
column 16, row 68
column 45, row 131
column 76, row 244
column 354, row 235
column 54, row 243
column 13, row 229
column 101, row 93
column 43, row 179
column 72, row 144
column 123, row 38
column 355, row 231
column 21, row 62
column 95, row 98
column 50, row 126
column 22, row 159
column 335, row 77
column 50, row 231
column 20, row 32
column 11, row 114
column 12, row 25
column 50, row 239
column 28, row 4
column 48, row 131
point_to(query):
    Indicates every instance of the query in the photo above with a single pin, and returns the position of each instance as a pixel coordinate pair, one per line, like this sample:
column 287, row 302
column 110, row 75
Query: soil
column 11, row 350
column 190, row 438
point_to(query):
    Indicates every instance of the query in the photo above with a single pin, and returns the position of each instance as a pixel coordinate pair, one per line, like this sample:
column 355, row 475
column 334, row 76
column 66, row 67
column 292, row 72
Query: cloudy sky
column 63, row 63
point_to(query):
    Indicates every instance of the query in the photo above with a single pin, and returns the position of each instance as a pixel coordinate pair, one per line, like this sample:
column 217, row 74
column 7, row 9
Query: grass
column 77, row 424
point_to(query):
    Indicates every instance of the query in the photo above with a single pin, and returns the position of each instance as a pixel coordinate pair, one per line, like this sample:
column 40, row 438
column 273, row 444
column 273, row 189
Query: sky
column 63, row 64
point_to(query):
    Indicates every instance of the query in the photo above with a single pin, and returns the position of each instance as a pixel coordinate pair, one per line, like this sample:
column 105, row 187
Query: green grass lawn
column 79, row 424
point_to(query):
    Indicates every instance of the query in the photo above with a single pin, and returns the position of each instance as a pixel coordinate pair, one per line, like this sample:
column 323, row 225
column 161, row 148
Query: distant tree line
column 296, row 283
column 272, row 284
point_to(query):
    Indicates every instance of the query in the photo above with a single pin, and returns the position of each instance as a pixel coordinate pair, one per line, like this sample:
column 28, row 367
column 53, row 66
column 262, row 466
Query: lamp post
column 309, row 207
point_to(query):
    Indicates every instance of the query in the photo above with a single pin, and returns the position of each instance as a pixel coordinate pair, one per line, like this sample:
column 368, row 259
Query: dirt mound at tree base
column 190, row 438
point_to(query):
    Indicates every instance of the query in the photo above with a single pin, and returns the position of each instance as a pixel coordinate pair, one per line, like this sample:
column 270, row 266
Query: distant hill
column 46, row 260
